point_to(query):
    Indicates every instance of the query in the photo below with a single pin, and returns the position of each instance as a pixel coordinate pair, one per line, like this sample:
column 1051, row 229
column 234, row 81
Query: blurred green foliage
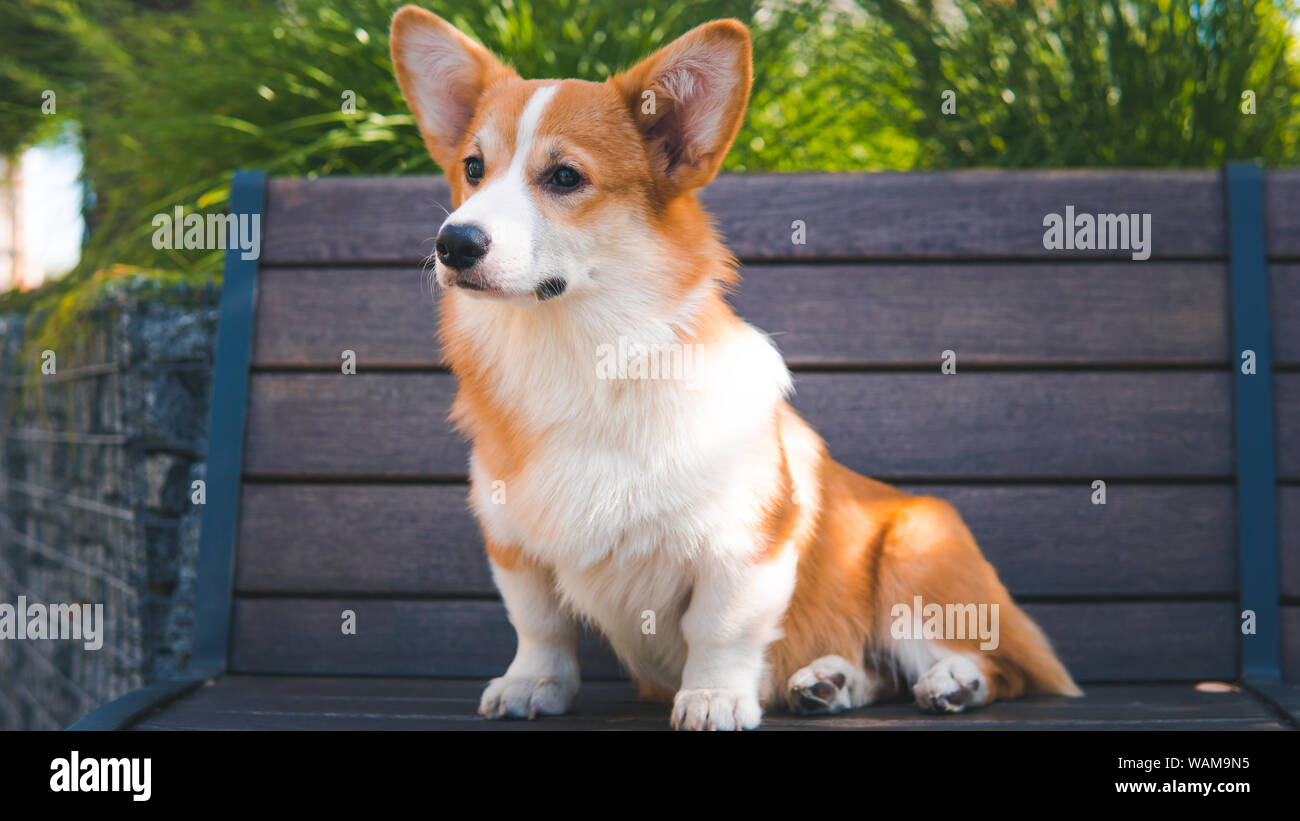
column 1100, row 83
column 168, row 96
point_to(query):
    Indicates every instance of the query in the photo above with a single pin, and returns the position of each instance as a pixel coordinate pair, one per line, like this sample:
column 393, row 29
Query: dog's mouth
column 470, row 283
column 549, row 288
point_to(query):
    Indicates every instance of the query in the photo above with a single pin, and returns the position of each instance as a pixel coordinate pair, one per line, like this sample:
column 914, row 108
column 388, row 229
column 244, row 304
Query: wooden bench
column 330, row 492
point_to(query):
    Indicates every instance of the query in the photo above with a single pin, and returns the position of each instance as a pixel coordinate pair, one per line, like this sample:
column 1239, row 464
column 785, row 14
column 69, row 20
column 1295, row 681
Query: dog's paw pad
column 952, row 685
column 828, row 685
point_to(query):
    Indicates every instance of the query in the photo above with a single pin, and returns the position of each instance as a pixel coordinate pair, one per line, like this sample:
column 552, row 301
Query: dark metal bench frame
column 1257, row 520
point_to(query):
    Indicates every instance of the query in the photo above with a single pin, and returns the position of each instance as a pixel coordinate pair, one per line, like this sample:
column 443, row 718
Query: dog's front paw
column 527, row 697
column 715, row 710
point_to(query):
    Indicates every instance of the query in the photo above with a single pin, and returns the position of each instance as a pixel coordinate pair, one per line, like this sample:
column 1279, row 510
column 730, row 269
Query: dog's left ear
column 688, row 100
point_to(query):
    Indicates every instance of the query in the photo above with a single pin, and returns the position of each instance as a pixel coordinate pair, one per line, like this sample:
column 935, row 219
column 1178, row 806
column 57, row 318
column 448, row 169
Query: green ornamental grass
column 167, row 98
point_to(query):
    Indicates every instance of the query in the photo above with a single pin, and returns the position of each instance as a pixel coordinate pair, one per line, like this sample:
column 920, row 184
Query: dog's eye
column 565, row 178
column 473, row 169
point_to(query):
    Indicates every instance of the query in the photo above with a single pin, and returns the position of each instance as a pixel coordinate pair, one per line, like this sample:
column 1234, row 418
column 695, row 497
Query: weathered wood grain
column 340, row 703
column 413, row 539
column 1286, row 400
column 394, row 637
column 917, row 215
column 309, row 316
column 1284, row 312
column 358, row 424
column 1098, row 642
column 1044, row 540
column 1281, row 217
column 974, row 424
column 1288, row 509
column 1291, row 644
column 821, row 314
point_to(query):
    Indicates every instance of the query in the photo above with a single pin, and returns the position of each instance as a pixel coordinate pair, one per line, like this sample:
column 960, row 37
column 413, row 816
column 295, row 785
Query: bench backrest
column 1072, row 366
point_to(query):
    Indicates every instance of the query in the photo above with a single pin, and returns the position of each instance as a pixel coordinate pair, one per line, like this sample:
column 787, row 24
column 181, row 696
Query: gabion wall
column 97, row 463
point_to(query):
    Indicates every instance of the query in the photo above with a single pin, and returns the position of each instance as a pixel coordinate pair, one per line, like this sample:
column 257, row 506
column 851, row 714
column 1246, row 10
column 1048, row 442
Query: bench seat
column 243, row 702
column 1082, row 377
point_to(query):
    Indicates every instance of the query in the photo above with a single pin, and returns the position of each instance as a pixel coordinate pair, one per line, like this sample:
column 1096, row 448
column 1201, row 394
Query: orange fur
column 506, row 558
column 862, row 546
column 870, row 546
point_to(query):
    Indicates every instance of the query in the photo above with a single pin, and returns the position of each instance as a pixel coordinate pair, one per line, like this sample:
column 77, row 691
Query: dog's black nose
column 460, row 246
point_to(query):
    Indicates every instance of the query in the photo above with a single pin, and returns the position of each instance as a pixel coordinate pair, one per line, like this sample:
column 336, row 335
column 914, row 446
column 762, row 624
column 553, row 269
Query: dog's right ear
column 443, row 75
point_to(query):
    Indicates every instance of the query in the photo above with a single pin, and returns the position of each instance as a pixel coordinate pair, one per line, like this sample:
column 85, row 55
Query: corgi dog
column 696, row 521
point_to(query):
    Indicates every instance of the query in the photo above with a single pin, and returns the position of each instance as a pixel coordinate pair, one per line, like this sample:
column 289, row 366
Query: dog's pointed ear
column 443, row 75
column 689, row 98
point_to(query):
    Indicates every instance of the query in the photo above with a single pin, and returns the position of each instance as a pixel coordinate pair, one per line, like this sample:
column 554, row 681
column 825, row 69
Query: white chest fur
column 631, row 483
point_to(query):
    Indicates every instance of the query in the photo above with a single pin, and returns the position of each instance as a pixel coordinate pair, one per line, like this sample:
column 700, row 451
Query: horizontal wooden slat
column 991, row 313
column 919, row 215
column 368, row 424
column 353, row 219
column 1286, row 387
column 1291, row 644
column 1281, row 217
column 349, row 703
column 309, row 316
column 1098, row 642
column 975, row 424
column 425, row 638
column 1284, row 313
column 1288, row 504
column 1044, row 541
column 818, row 314
column 326, row 538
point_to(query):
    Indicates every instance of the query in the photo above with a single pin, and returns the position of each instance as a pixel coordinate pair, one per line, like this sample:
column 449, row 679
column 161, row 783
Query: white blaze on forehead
column 504, row 208
column 526, row 133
